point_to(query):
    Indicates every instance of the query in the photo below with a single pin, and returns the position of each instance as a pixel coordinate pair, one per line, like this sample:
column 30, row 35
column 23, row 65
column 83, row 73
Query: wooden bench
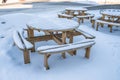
column 110, row 24
column 85, row 34
column 63, row 15
column 82, row 17
column 23, row 45
column 48, row 50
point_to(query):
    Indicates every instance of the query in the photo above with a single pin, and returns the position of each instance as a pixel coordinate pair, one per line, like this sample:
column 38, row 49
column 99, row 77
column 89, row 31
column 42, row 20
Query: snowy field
column 104, row 62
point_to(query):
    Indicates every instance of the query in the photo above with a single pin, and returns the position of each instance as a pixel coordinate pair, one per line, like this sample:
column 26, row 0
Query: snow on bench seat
column 48, row 50
column 65, row 47
column 106, row 22
column 63, row 15
column 20, row 41
column 85, row 34
column 110, row 24
column 23, row 45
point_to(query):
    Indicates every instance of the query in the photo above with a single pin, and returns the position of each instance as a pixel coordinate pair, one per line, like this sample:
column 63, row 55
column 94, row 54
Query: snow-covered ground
column 104, row 62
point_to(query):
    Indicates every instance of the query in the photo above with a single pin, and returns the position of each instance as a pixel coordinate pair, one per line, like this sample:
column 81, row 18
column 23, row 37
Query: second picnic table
column 73, row 11
column 111, row 16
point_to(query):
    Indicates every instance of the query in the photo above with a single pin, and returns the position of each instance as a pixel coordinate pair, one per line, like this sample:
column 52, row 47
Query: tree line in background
column 99, row 1
column 4, row 1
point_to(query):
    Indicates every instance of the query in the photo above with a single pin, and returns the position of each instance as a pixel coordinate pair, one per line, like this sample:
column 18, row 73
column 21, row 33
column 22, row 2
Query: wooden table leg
column 63, row 41
column 83, row 12
column 79, row 20
column 71, row 41
column 87, row 54
column 31, row 34
column 46, row 61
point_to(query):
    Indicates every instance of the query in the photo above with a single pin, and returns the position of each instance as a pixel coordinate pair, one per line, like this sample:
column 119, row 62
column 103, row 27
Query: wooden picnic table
column 78, row 10
column 56, row 29
column 80, row 13
column 113, row 16
column 109, row 17
column 53, row 27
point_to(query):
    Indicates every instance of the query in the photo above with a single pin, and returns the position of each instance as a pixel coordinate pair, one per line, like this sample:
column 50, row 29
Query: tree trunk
column 4, row 1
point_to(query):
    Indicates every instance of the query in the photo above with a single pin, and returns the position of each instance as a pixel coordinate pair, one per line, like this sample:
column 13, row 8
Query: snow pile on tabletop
column 52, row 22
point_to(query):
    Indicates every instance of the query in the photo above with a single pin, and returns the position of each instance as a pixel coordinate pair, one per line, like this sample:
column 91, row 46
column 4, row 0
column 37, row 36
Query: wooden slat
column 87, row 35
column 67, row 50
column 42, row 38
column 30, row 33
column 26, row 56
column 63, row 41
column 57, row 40
column 21, row 40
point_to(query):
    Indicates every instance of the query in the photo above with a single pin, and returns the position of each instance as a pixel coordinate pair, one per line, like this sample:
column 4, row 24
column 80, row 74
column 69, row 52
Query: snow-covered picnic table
column 79, row 12
column 57, row 29
column 76, row 11
column 110, row 17
column 112, row 14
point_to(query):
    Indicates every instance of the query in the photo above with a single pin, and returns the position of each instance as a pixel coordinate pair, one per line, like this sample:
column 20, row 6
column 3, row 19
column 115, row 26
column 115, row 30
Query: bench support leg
column 97, row 26
column 71, row 41
column 110, row 26
column 87, row 54
column 93, row 23
column 46, row 56
column 79, row 19
column 63, row 55
column 31, row 34
column 26, row 57
column 63, row 42
column 102, row 25
column 33, row 49
column 82, row 20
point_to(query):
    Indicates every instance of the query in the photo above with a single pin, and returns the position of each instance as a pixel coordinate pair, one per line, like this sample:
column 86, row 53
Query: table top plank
column 53, row 24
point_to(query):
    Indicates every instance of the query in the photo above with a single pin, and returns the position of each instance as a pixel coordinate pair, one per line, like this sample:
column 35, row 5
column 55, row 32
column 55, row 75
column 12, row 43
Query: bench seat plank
column 65, row 47
column 27, row 44
column 17, row 39
column 110, row 23
column 87, row 35
column 63, row 15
